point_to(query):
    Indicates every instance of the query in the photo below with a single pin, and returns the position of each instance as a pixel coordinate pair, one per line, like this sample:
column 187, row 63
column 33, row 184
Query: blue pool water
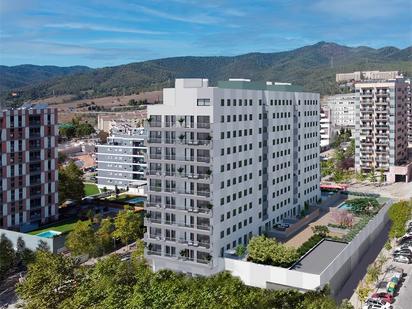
column 345, row 206
column 48, row 234
column 136, row 200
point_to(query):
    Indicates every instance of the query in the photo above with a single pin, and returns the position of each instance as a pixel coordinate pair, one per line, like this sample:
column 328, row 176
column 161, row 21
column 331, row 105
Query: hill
column 312, row 66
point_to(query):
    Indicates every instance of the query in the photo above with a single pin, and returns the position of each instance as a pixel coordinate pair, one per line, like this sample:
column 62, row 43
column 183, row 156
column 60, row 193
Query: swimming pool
column 48, row 234
column 136, row 200
column 345, row 206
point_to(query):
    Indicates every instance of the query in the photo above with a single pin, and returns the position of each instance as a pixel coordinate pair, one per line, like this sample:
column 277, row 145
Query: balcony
column 155, row 156
column 382, row 151
column 155, row 188
column 203, row 125
column 381, row 159
column 366, row 110
column 366, row 158
column 154, row 124
column 154, row 140
column 382, row 142
column 382, row 126
column 152, row 220
column 366, row 142
column 366, row 150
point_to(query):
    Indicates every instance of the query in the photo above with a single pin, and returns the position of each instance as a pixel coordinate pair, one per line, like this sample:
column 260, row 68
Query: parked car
column 405, row 238
column 403, row 259
column 404, row 246
column 376, row 303
column 391, row 287
column 383, row 296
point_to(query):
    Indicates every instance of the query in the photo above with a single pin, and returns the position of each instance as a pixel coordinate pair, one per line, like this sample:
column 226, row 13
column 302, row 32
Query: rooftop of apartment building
column 127, row 130
column 237, row 83
column 27, row 106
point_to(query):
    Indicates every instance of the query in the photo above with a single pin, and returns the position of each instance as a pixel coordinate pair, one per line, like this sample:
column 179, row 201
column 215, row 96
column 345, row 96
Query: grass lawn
column 90, row 189
column 63, row 227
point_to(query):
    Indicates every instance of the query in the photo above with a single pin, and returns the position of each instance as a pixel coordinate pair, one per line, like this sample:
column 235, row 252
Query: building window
column 203, row 102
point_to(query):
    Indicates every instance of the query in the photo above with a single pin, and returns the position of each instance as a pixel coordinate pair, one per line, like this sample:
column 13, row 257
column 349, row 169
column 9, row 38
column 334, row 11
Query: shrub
column 363, row 205
column 399, row 213
column 309, row 244
column 268, row 251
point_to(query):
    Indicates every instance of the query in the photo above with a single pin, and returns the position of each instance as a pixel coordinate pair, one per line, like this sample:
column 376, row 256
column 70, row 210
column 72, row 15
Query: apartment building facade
column 327, row 129
column 28, row 174
column 381, row 129
column 121, row 161
column 409, row 106
column 366, row 75
column 226, row 163
column 342, row 107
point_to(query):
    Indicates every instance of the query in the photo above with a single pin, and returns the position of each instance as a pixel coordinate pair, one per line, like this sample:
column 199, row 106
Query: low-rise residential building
column 381, row 129
column 226, row 163
column 366, row 75
column 28, row 173
column 121, row 161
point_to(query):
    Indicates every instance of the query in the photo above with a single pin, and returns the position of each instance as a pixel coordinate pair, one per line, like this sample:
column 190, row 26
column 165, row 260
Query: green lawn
column 90, row 189
column 63, row 227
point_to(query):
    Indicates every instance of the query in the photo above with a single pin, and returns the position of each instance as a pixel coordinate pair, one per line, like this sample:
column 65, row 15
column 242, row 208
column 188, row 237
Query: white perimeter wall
column 259, row 275
column 337, row 272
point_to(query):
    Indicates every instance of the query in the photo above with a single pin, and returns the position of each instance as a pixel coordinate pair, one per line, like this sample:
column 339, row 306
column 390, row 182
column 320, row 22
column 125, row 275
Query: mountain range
column 312, row 66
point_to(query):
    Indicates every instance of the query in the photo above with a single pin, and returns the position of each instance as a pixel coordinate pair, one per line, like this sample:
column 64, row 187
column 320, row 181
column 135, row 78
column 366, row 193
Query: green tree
column 320, row 230
column 70, row 183
column 399, row 213
column 43, row 246
column 104, row 234
column 82, row 239
column 50, row 279
column 372, row 273
column 7, row 255
column 84, row 129
column 128, row 226
column 23, row 254
column 268, row 251
column 240, row 250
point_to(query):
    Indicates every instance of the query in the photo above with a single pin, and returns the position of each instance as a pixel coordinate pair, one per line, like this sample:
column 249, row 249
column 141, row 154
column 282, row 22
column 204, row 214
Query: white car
column 405, row 246
column 402, row 259
column 376, row 303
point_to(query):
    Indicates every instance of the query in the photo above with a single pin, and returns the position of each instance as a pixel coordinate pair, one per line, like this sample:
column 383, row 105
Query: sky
column 100, row 33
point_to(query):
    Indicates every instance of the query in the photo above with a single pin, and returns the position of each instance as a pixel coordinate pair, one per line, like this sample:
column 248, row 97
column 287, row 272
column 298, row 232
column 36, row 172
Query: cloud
column 195, row 19
column 94, row 27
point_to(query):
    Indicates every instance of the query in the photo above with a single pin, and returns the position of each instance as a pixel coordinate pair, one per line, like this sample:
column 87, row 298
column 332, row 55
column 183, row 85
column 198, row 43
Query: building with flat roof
column 121, row 161
column 342, row 109
column 381, row 129
column 226, row 163
column 107, row 121
column 366, row 75
column 28, row 173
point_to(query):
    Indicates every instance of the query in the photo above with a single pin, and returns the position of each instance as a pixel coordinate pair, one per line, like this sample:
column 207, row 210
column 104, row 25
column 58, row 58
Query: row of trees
column 76, row 129
column 56, row 281
column 96, row 239
column 11, row 258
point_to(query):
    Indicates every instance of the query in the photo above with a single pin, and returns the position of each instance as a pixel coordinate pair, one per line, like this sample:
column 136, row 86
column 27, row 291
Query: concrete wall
column 341, row 267
column 337, row 272
column 266, row 276
column 56, row 244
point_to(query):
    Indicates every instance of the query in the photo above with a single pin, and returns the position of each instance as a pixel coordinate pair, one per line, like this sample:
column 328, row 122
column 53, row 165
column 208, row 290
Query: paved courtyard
column 399, row 190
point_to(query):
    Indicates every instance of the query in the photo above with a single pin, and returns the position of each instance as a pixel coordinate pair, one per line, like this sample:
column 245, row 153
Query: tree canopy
column 128, row 226
column 264, row 250
column 55, row 281
column 82, row 239
column 70, row 183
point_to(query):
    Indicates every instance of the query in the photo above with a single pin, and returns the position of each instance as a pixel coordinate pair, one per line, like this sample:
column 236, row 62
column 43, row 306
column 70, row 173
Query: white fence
column 335, row 274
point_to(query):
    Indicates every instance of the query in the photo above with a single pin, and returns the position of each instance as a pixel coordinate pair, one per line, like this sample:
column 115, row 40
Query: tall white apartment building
column 226, row 163
column 366, row 75
column 326, row 127
column 381, row 129
column 121, row 161
column 342, row 107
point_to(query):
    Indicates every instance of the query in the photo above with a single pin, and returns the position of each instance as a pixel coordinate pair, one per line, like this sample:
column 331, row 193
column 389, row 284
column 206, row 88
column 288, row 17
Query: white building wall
column 263, row 168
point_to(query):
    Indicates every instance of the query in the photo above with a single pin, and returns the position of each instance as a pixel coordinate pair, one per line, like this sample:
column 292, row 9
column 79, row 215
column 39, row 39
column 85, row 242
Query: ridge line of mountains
column 312, row 66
